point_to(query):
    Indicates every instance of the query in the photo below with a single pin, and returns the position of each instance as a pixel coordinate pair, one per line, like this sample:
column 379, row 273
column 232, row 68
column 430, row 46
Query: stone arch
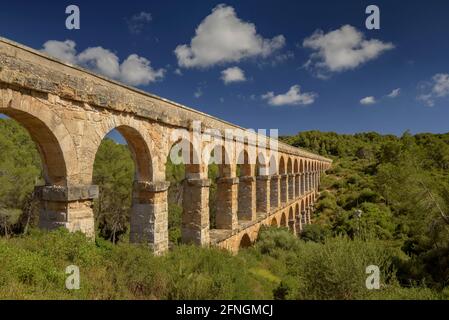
column 274, row 222
column 283, row 222
column 140, row 152
column 245, row 241
column 223, row 213
column 64, row 201
column 195, row 214
column 289, row 165
column 303, row 212
column 298, row 218
column 247, row 168
column 296, row 178
column 274, row 182
column 296, row 166
column 144, row 215
column 291, row 220
column 52, row 157
column 283, row 180
column 290, row 179
column 246, row 194
column 307, row 175
column 47, row 130
column 282, row 166
column 188, row 156
column 226, row 166
column 139, row 143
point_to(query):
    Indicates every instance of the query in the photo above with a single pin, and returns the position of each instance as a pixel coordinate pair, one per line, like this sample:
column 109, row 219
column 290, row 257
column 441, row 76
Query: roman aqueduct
column 68, row 111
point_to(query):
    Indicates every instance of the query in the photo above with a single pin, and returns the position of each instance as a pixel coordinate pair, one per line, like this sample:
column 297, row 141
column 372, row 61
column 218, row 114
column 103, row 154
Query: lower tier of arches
column 292, row 215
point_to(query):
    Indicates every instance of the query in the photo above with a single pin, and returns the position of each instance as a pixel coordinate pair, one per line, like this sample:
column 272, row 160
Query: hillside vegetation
column 384, row 203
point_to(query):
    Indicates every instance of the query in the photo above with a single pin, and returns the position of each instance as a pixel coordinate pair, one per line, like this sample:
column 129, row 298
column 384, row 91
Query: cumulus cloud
column 395, row 93
column 137, row 22
column 134, row 70
column 101, row 61
column 438, row 87
column 137, row 70
column 222, row 37
column 63, row 50
column 234, row 74
column 292, row 97
column 342, row 49
column 368, row 100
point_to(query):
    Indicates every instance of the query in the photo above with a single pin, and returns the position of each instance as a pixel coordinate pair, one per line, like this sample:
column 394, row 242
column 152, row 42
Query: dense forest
column 384, row 202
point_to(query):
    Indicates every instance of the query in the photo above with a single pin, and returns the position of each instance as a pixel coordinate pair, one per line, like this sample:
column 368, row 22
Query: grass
column 278, row 266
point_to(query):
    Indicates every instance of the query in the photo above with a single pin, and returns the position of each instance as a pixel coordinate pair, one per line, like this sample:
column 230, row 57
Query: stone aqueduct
column 68, row 111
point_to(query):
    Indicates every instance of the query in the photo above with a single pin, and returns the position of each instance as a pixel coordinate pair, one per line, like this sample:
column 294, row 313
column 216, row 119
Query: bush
column 336, row 269
column 315, row 233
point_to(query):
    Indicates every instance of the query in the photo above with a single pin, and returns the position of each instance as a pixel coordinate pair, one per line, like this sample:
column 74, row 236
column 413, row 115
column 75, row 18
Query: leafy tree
column 114, row 173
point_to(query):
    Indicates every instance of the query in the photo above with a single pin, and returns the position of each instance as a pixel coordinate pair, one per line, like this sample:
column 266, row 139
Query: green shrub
column 336, row 269
column 315, row 233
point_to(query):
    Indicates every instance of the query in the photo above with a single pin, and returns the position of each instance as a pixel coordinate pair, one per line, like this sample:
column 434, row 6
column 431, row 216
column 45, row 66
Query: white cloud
column 292, row 97
column 178, row 72
column 439, row 88
column 137, row 22
column 342, row 49
column 63, row 50
column 368, row 100
column 101, row 61
column 134, row 70
column 222, row 37
column 137, row 70
column 395, row 93
column 234, row 74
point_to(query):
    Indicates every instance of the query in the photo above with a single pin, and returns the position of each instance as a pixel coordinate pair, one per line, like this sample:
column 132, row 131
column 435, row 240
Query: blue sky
column 410, row 52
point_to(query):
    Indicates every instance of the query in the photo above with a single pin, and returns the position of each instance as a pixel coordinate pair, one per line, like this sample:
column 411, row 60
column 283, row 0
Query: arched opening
column 246, row 208
column 283, row 180
column 298, row 219
column 245, row 242
column 284, row 220
column 307, row 177
column 224, row 187
column 291, row 220
column 301, row 180
column 122, row 160
column 188, row 194
column 290, row 179
column 307, row 209
column 303, row 213
column 175, row 173
column 30, row 156
column 53, row 164
column 296, row 177
column 274, row 222
column 314, row 175
column 274, row 184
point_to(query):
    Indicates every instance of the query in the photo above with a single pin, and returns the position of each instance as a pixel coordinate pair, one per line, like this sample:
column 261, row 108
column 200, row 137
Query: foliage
column 114, row 173
column 19, row 173
column 385, row 201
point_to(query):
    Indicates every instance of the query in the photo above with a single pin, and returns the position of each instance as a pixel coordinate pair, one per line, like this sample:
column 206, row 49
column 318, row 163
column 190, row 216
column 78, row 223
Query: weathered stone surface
column 263, row 194
column 275, row 195
column 195, row 217
column 247, row 198
column 66, row 194
column 226, row 216
column 68, row 111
